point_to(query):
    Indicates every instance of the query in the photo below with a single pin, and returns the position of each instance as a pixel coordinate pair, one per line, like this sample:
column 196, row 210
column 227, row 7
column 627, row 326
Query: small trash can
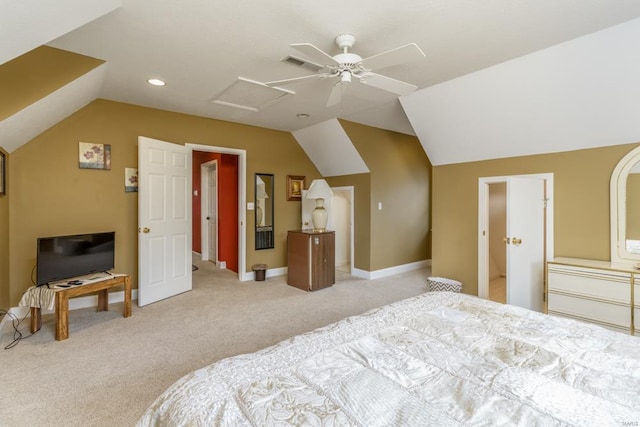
column 260, row 271
column 443, row 284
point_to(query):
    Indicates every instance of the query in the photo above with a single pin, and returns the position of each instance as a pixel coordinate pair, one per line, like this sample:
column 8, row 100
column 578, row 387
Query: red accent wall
column 227, row 205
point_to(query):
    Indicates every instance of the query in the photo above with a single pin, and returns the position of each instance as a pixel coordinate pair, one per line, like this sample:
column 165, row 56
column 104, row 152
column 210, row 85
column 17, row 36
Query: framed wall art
column 295, row 185
column 130, row 180
column 94, row 156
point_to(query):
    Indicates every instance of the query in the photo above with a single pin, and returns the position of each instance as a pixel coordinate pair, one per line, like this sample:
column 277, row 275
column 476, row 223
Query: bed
column 440, row 359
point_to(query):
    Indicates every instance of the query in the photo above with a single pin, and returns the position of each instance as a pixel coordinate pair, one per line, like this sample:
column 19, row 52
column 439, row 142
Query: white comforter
column 438, row 359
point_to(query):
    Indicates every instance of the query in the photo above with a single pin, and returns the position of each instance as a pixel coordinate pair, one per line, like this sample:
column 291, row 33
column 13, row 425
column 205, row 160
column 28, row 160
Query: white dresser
column 594, row 291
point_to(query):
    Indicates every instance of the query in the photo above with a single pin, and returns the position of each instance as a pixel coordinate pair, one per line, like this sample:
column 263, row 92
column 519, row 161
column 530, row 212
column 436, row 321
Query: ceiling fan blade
column 296, row 79
column 335, row 97
column 400, row 55
column 387, row 83
column 314, row 53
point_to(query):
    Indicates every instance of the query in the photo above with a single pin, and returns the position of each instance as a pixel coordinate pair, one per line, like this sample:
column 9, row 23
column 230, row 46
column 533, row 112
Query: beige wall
column 50, row 195
column 36, row 74
column 400, row 180
column 581, row 214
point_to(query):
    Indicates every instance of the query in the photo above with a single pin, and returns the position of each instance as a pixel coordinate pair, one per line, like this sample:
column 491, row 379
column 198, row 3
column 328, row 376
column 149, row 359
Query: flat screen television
column 64, row 257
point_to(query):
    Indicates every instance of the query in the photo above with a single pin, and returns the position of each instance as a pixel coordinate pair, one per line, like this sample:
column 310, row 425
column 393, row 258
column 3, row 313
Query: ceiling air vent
column 312, row 66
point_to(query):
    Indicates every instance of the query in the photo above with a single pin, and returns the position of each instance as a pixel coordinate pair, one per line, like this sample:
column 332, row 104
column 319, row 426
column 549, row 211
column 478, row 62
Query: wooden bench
column 62, row 302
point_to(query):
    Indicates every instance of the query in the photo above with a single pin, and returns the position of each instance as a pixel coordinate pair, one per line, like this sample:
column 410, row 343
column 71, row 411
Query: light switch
column 250, row 206
column 379, row 206
column 195, row 193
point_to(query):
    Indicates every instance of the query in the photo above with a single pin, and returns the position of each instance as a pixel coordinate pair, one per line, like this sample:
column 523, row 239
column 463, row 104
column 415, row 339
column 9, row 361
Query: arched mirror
column 264, row 210
column 625, row 210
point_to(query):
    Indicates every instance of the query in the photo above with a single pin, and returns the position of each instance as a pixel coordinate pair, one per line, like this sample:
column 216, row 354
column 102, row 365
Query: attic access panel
column 250, row 95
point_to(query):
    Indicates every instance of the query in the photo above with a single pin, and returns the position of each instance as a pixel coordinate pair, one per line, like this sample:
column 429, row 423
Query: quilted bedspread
column 439, row 359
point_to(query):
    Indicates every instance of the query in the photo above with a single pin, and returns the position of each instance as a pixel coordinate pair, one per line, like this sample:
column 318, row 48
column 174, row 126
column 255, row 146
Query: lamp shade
column 319, row 189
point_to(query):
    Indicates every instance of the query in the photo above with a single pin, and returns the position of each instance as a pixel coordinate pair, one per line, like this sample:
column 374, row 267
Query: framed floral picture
column 295, row 185
column 130, row 180
column 95, row 156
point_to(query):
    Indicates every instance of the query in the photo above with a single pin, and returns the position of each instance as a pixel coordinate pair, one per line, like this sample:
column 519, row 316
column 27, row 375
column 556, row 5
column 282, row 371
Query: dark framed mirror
column 264, row 210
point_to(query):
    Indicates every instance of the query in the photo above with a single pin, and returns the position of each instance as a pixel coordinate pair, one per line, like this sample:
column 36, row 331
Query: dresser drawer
column 589, row 310
column 590, row 283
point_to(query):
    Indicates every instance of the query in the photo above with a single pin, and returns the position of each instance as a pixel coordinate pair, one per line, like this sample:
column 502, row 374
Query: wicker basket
column 443, row 284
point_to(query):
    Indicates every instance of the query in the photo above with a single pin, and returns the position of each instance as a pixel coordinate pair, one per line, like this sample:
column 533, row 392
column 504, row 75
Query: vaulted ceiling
column 201, row 48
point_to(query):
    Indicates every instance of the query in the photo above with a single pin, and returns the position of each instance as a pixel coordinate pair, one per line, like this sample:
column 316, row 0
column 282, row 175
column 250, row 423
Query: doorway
column 342, row 210
column 341, row 217
column 236, row 218
column 497, row 257
column 515, row 238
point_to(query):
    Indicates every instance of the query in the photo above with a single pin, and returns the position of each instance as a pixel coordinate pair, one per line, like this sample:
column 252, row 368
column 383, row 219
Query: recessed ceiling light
column 156, row 82
column 302, row 115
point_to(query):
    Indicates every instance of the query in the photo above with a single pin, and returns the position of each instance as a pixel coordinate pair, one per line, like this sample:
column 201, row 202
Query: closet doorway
column 515, row 238
column 341, row 217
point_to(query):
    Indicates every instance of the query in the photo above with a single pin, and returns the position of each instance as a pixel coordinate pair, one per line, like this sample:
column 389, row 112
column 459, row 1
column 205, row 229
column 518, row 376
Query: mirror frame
column 264, row 235
column 618, row 218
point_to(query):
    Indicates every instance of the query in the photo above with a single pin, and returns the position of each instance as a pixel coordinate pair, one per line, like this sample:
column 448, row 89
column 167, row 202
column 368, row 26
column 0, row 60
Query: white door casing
column 212, row 207
column 517, row 274
column 209, row 211
column 243, row 275
column 164, row 220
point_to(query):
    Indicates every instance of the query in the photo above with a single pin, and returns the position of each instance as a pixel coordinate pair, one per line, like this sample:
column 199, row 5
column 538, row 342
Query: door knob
column 516, row 241
column 146, row 230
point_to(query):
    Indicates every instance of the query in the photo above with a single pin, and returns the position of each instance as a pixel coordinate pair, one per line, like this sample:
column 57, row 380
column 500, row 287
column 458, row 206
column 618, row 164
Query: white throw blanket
column 438, row 359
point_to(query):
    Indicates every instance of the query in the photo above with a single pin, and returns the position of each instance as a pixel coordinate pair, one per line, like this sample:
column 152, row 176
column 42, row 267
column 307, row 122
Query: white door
column 164, row 220
column 526, row 242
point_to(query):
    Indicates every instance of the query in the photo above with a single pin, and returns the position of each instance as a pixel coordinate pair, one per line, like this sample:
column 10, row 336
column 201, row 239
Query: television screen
column 64, row 257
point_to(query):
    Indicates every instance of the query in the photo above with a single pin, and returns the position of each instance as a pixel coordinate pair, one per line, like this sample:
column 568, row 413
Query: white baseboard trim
column 371, row 275
column 271, row 272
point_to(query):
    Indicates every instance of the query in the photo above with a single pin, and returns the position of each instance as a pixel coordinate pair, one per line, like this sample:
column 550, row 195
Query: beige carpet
column 111, row 368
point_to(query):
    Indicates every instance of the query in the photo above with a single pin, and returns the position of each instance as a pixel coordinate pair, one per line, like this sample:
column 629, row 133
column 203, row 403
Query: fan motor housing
column 348, row 59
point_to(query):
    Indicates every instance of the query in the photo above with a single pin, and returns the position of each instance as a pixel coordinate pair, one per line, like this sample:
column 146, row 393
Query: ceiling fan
column 347, row 65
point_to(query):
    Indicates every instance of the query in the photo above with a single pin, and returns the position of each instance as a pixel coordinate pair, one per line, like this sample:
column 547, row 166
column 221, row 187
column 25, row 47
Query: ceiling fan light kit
column 346, row 65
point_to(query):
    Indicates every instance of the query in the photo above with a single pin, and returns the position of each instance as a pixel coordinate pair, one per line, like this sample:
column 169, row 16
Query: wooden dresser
column 311, row 259
column 594, row 291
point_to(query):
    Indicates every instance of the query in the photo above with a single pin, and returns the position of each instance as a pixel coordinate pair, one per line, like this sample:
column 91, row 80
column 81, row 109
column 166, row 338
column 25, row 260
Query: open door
column 529, row 220
column 525, row 242
column 164, row 220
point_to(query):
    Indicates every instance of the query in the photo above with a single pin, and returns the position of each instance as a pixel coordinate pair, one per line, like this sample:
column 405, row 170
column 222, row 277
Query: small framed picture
column 130, row 180
column 295, row 185
column 94, row 156
column 3, row 175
